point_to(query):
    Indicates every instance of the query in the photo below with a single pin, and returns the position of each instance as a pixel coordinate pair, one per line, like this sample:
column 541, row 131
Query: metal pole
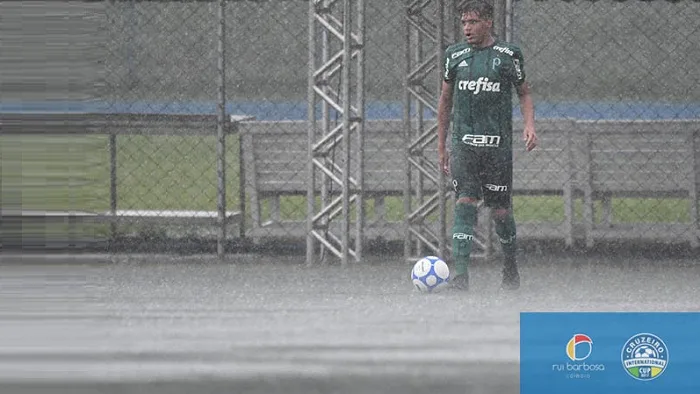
column 347, row 53
column 326, row 183
column 221, row 131
column 509, row 20
column 499, row 10
column 441, row 179
column 113, row 182
column 311, row 124
column 407, row 131
column 455, row 29
column 360, row 83
column 695, row 182
column 420, row 128
column 242, row 203
column 131, row 79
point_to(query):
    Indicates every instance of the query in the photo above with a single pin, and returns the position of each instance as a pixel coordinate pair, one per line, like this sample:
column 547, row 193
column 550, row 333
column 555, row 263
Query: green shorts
column 483, row 173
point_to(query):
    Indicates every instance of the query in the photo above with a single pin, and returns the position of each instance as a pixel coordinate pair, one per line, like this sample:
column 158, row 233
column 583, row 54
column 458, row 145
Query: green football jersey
column 483, row 80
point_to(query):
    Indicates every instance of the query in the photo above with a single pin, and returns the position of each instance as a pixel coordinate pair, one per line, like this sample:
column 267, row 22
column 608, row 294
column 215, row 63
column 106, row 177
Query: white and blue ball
column 430, row 274
column 645, row 351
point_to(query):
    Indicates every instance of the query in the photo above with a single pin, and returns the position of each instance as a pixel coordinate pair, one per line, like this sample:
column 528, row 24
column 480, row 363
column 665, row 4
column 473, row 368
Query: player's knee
column 501, row 213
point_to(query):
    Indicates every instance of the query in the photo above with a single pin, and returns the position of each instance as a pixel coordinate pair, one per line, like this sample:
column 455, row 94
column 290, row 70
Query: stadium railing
column 275, row 161
column 114, row 125
column 579, row 167
column 588, row 169
column 630, row 161
column 275, row 168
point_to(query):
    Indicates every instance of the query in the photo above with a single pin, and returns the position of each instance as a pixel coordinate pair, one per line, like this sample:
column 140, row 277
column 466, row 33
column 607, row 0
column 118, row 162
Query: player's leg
column 505, row 228
column 465, row 179
column 498, row 196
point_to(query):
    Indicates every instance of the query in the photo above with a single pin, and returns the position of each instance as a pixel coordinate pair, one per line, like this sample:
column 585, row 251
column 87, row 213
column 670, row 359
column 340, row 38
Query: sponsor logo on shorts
column 463, row 236
column 480, row 85
column 496, row 188
column 481, row 140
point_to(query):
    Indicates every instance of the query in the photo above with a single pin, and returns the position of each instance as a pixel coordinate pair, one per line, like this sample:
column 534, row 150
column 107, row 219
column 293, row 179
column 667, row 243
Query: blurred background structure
column 242, row 125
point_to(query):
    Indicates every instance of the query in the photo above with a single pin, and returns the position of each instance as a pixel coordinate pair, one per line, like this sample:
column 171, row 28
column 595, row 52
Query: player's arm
column 444, row 112
column 527, row 108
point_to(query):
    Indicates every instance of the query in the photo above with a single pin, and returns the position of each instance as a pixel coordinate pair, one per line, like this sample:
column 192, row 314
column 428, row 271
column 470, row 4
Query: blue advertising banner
column 618, row 353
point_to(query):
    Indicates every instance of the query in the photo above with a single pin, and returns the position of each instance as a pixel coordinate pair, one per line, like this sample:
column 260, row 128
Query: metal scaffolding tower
column 335, row 129
column 430, row 28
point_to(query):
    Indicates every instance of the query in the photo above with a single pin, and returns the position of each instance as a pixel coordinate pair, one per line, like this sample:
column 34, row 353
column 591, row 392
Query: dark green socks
column 505, row 228
column 463, row 235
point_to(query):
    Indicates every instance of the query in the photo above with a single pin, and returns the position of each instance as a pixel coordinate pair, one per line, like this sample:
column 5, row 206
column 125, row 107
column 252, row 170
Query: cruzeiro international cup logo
column 645, row 356
column 579, row 347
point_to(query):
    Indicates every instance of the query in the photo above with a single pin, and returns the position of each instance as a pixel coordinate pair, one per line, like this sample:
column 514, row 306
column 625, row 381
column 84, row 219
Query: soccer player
column 478, row 80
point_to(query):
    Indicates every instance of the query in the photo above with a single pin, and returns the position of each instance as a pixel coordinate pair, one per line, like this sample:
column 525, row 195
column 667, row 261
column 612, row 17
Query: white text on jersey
column 496, row 188
column 480, row 85
column 503, row 50
column 460, row 53
column 481, row 140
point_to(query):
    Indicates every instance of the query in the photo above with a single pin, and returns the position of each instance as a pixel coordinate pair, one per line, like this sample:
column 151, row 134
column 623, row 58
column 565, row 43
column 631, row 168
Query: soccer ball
column 644, row 351
column 430, row 274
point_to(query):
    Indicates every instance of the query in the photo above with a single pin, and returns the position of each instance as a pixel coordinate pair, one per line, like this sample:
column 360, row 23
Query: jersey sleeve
column 448, row 72
column 518, row 67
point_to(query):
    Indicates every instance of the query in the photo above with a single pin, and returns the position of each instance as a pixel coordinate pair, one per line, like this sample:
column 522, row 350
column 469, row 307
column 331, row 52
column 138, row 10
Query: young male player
column 478, row 80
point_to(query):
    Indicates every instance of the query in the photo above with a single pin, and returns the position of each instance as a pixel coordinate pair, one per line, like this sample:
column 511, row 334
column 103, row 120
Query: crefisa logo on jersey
column 645, row 356
column 480, row 85
column 578, row 350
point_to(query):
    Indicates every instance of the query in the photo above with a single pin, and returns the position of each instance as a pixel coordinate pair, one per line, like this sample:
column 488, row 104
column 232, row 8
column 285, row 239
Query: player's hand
column 444, row 161
column 530, row 138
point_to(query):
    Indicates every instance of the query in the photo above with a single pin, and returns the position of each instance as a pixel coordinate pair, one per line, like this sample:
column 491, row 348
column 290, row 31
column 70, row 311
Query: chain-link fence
column 624, row 71
column 162, row 88
column 611, row 82
column 49, row 62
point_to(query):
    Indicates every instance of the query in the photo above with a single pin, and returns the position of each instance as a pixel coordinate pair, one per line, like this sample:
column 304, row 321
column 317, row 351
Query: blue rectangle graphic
column 618, row 353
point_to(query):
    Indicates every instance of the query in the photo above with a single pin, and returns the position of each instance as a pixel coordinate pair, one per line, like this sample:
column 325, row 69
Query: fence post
column 442, row 220
column 113, row 182
column 694, row 185
column 221, row 131
column 588, row 197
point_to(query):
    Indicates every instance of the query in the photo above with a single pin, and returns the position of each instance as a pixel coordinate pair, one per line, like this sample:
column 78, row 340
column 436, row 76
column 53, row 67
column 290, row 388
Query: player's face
column 475, row 29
